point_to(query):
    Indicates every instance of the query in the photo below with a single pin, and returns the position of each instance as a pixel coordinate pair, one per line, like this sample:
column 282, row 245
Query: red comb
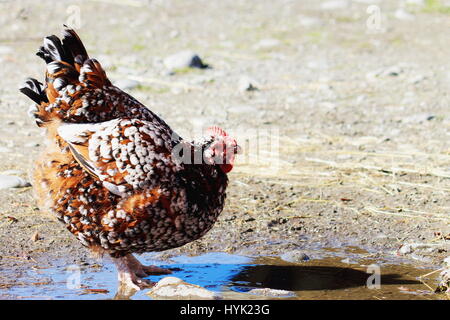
column 216, row 131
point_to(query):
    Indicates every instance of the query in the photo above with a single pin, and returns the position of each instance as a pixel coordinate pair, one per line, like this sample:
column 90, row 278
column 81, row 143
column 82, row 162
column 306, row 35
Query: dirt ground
column 356, row 109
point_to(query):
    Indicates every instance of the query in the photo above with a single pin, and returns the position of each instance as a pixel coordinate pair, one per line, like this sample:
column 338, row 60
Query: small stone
column 6, row 50
column 418, row 118
column 32, row 145
column 419, row 248
column 174, row 34
column 291, row 100
column 402, row 14
column 447, row 261
column 168, row 281
column 295, row 256
column 184, row 59
column 405, row 249
column 444, row 284
column 268, row 292
column 348, row 261
column 417, row 79
column 393, row 71
column 12, row 182
column 35, row 237
column 267, row 44
column 247, row 84
column 175, row 288
column 306, row 21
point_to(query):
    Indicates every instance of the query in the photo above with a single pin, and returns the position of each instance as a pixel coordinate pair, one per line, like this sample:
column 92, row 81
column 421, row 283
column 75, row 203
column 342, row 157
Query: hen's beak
column 237, row 149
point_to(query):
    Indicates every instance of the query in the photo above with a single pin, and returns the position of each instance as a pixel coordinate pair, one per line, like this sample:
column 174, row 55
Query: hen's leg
column 131, row 272
column 147, row 270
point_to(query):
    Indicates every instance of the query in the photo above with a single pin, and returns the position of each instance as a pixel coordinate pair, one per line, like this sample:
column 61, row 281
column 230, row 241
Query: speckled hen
column 115, row 173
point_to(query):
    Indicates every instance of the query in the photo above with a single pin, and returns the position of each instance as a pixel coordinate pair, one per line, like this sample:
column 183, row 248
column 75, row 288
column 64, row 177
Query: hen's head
column 222, row 150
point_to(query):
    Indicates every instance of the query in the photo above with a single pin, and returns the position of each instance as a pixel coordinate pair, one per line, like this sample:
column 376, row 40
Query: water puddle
column 235, row 277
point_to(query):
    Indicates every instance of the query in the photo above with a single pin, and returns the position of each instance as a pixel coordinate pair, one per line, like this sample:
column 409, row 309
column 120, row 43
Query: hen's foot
column 134, row 281
column 131, row 272
column 142, row 270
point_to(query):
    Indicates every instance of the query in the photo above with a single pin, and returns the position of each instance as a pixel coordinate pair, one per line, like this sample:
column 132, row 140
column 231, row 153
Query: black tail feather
column 65, row 50
column 73, row 46
column 34, row 90
column 52, row 50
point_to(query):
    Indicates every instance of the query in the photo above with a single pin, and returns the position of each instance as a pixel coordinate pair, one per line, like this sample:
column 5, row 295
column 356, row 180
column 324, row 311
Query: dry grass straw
column 341, row 165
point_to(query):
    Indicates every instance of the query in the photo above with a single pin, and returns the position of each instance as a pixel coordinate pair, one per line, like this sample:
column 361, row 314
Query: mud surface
column 357, row 113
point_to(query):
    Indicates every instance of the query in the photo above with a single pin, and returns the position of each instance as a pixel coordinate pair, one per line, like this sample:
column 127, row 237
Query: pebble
column 295, row 256
column 175, row 288
column 444, row 284
column 268, row 292
column 184, row 59
column 392, row 71
column 306, row 21
column 35, row 237
column 267, row 44
column 402, row 14
column 6, row 50
column 292, row 100
column 174, row 34
column 247, row 84
column 348, row 261
column 418, row 118
column 32, row 144
column 12, row 182
column 424, row 247
column 447, row 261
column 417, row 79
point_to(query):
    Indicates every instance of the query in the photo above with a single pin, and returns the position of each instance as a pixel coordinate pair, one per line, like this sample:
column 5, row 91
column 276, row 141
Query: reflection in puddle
column 213, row 270
column 234, row 276
column 301, row 278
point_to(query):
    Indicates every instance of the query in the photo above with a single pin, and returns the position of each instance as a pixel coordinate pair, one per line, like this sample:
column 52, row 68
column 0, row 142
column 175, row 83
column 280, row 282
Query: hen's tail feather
column 74, row 46
column 65, row 50
column 34, row 90
column 68, row 62
column 69, row 79
column 52, row 49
